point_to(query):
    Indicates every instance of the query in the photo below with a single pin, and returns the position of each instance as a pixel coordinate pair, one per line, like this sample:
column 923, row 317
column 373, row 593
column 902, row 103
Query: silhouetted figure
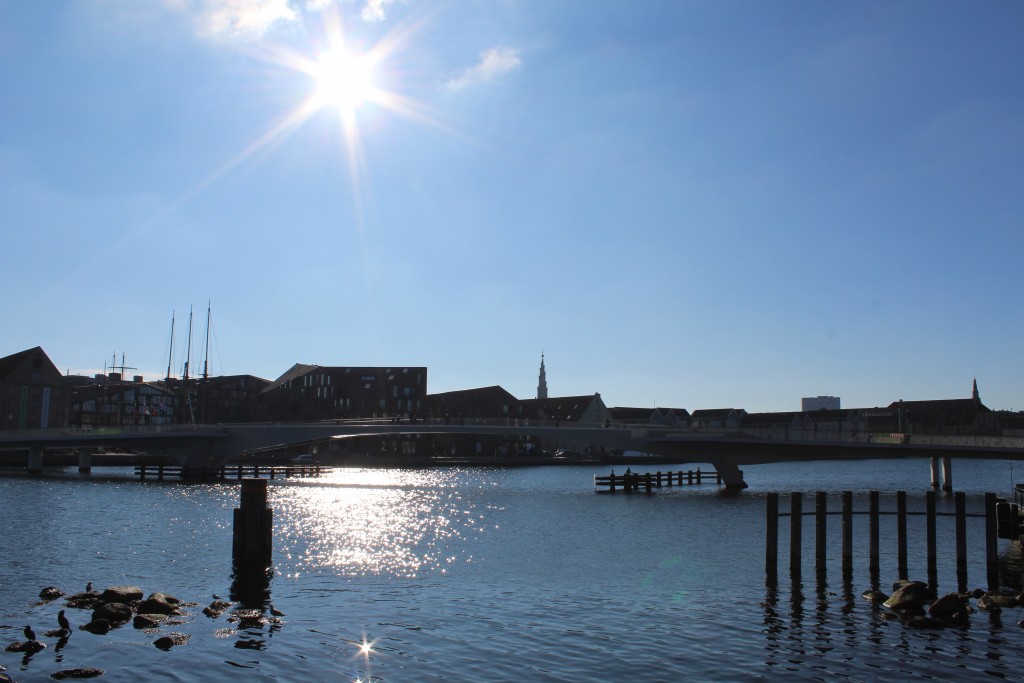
column 63, row 621
column 88, row 587
column 29, row 633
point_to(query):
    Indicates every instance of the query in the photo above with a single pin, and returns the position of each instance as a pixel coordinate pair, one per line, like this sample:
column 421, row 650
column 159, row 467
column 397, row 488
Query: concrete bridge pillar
column 84, row 459
column 947, row 473
column 935, row 472
column 732, row 476
column 35, row 460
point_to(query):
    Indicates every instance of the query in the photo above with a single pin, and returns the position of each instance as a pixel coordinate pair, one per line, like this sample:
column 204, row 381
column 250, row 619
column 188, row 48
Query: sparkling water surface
column 497, row 575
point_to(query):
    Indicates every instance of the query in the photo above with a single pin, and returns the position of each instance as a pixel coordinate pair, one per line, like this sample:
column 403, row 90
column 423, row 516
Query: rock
column 98, row 626
column 874, row 597
column 148, row 620
column 948, row 606
column 27, row 646
column 84, row 600
column 50, row 593
column 58, row 633
column 116, row 613
column 122, row 594
column 216, row 608
column 157, row 603
column 911, row 597
column 77, row 673
column 977, row 593
column 1003, row 600
column 249, row 618
column 900, row 583
column 169, row 641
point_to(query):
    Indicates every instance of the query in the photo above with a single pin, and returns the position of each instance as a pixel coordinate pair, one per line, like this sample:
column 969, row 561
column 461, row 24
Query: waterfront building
column 581, row 409
column 222, row 399
column 662, row 417
column 482, row 403
column 718, row 418
column 949, row 416
column 819, row 403
column 115, row 402
column 33, row 393
column 316, row 392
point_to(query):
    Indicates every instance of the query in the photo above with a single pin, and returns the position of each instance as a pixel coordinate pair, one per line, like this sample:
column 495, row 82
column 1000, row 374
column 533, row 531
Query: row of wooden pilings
column 821, row 513
column 630, row 481
column 227, row 471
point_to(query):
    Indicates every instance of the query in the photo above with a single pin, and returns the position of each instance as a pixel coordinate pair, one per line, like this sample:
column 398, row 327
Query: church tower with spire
column 974, row 393
column 542, row 382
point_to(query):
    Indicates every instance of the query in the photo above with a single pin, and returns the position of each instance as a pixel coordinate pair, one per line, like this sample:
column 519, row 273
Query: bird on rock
column 63, row 621
column 29, row 633
column 88, row 587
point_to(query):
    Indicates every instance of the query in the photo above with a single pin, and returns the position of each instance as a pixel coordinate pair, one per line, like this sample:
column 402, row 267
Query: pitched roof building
column 33, row 393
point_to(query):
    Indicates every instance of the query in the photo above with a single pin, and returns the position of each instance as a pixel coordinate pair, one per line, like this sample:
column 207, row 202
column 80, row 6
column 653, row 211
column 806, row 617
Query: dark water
column 496, row 575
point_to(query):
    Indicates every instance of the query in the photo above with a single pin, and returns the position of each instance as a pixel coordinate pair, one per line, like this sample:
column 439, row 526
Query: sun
column 343, row 80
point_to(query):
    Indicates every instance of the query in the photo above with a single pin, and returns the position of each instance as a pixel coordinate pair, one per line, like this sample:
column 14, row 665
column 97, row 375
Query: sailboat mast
column 206, row 360
column 188, row 351
column 170, row 354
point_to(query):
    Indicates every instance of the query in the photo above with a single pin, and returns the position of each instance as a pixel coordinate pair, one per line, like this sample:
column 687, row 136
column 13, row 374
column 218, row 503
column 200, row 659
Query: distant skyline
column 690, row 204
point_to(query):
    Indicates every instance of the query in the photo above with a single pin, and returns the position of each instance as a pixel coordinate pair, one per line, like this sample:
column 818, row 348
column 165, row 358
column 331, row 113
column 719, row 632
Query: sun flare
column 343, row 80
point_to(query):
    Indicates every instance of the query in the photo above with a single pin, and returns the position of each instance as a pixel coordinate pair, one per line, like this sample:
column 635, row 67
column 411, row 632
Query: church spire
column 974, row 392
column 542, row 383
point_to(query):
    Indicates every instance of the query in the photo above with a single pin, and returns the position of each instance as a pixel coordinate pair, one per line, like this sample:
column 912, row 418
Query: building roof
column 9, row 364
column 562, row 407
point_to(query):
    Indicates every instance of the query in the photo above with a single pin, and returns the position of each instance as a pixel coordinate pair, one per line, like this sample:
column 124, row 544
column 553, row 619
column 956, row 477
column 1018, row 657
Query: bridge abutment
column 947, row 473
column 35, row 460
column 84, row 459
column 732, row 475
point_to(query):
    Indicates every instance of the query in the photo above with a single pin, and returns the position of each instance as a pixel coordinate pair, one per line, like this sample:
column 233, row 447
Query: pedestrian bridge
column 199, row 446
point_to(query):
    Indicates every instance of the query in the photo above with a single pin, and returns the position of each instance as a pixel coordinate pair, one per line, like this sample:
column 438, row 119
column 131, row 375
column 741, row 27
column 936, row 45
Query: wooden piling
column 991, row 543
column 929, row 502
column 771, row 545
column 901, row 534
column 796, row 504
column 961, row 534
column 820, row 526
column 847, row 531
column 252, row 538
column 873, row 531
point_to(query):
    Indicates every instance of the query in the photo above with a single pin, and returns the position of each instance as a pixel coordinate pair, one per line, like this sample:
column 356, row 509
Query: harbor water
column 478, row 574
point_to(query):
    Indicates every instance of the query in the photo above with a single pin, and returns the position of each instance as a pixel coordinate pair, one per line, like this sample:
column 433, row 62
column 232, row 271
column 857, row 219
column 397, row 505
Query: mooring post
column 873, row 532
column 647, row 482
column 929, row 503
column 796, row 505
column 961, row 536
column 84, row 459
column 689, row 477
column 935, row 472
column 820, row 526
column 771, row 542
column 847, row 531
column 252, row 539
column 35, row 460
column 901, row 534
column 991, row 543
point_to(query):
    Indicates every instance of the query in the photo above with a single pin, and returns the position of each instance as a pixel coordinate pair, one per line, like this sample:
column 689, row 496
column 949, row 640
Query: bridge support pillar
column 732, row 476
column 84, row 459
column 935, row 472
column 35, row 460
column 947, row 473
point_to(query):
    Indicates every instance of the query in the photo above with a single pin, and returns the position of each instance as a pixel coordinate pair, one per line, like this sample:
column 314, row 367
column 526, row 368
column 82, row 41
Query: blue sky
column 690, row 204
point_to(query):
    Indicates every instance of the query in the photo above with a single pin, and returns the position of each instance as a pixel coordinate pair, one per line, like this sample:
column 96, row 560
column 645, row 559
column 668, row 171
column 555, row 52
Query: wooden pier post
column 929, row 502
column 873, row 532
column 820, row 530
column 961, row 537
column 796, row 504
column 252, row 539
column 847, row 531
column 689, row 477
column 771, row 543
column 901, row 534
column 991, row 543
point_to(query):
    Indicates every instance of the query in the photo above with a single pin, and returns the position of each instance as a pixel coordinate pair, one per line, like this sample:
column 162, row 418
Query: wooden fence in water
column 160, row 472
column 874, row 513
column 648, row 481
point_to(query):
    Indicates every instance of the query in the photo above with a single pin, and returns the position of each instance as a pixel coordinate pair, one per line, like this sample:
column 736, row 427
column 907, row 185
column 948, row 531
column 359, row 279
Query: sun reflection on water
column 366, row 522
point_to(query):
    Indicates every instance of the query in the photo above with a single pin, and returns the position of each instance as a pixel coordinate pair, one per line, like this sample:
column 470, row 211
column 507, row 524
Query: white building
column 819, row 403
